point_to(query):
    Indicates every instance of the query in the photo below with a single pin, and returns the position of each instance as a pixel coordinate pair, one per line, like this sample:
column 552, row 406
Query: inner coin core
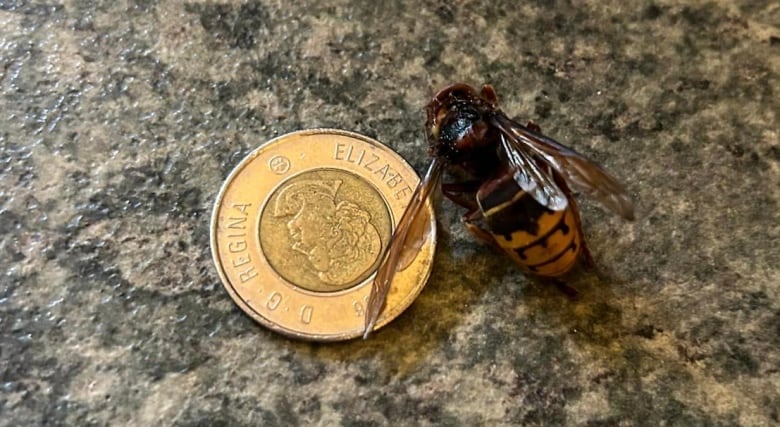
column 324, row 230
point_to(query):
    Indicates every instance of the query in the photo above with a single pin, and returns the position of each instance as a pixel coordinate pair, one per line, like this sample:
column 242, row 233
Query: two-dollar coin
column 300, row 226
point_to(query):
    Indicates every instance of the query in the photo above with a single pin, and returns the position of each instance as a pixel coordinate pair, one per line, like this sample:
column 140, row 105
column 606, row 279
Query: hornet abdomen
column 542, row 241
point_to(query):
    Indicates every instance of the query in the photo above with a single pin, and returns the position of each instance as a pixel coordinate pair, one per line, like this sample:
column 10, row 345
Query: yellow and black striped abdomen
column 542, row 241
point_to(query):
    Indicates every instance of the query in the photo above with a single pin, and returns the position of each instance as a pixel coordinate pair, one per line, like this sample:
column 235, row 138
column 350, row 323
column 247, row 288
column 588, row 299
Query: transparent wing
column 533, row 181
column 580, row 172
column 410, row 234
column 423, row 227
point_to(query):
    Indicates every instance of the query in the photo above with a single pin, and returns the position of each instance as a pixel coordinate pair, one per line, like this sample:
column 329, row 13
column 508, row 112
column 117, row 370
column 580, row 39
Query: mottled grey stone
column 120, row 119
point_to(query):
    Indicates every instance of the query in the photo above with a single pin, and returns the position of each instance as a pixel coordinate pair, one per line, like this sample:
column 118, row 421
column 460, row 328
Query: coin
column 300, row 226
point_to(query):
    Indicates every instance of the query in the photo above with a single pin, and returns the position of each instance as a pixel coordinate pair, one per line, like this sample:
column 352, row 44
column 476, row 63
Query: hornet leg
column 469, row 221
column 455, row 192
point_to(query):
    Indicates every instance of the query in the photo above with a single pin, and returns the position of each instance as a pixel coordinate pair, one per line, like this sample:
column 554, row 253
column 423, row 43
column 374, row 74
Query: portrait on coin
column 335, row 235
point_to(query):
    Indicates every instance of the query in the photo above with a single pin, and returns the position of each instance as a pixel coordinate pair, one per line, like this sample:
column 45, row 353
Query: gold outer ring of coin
column 299, row 227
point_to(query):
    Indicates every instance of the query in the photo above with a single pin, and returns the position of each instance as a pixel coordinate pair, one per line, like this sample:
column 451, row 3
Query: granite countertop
column 120, row 120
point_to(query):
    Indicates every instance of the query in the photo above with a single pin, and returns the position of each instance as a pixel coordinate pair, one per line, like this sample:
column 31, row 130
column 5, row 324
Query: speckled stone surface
column 119, row 120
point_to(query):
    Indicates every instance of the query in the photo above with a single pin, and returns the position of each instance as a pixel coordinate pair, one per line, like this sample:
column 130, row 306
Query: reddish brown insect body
column 513, row 180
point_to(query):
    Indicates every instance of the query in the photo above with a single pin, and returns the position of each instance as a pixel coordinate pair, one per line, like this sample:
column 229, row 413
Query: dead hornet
column 515, row 182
